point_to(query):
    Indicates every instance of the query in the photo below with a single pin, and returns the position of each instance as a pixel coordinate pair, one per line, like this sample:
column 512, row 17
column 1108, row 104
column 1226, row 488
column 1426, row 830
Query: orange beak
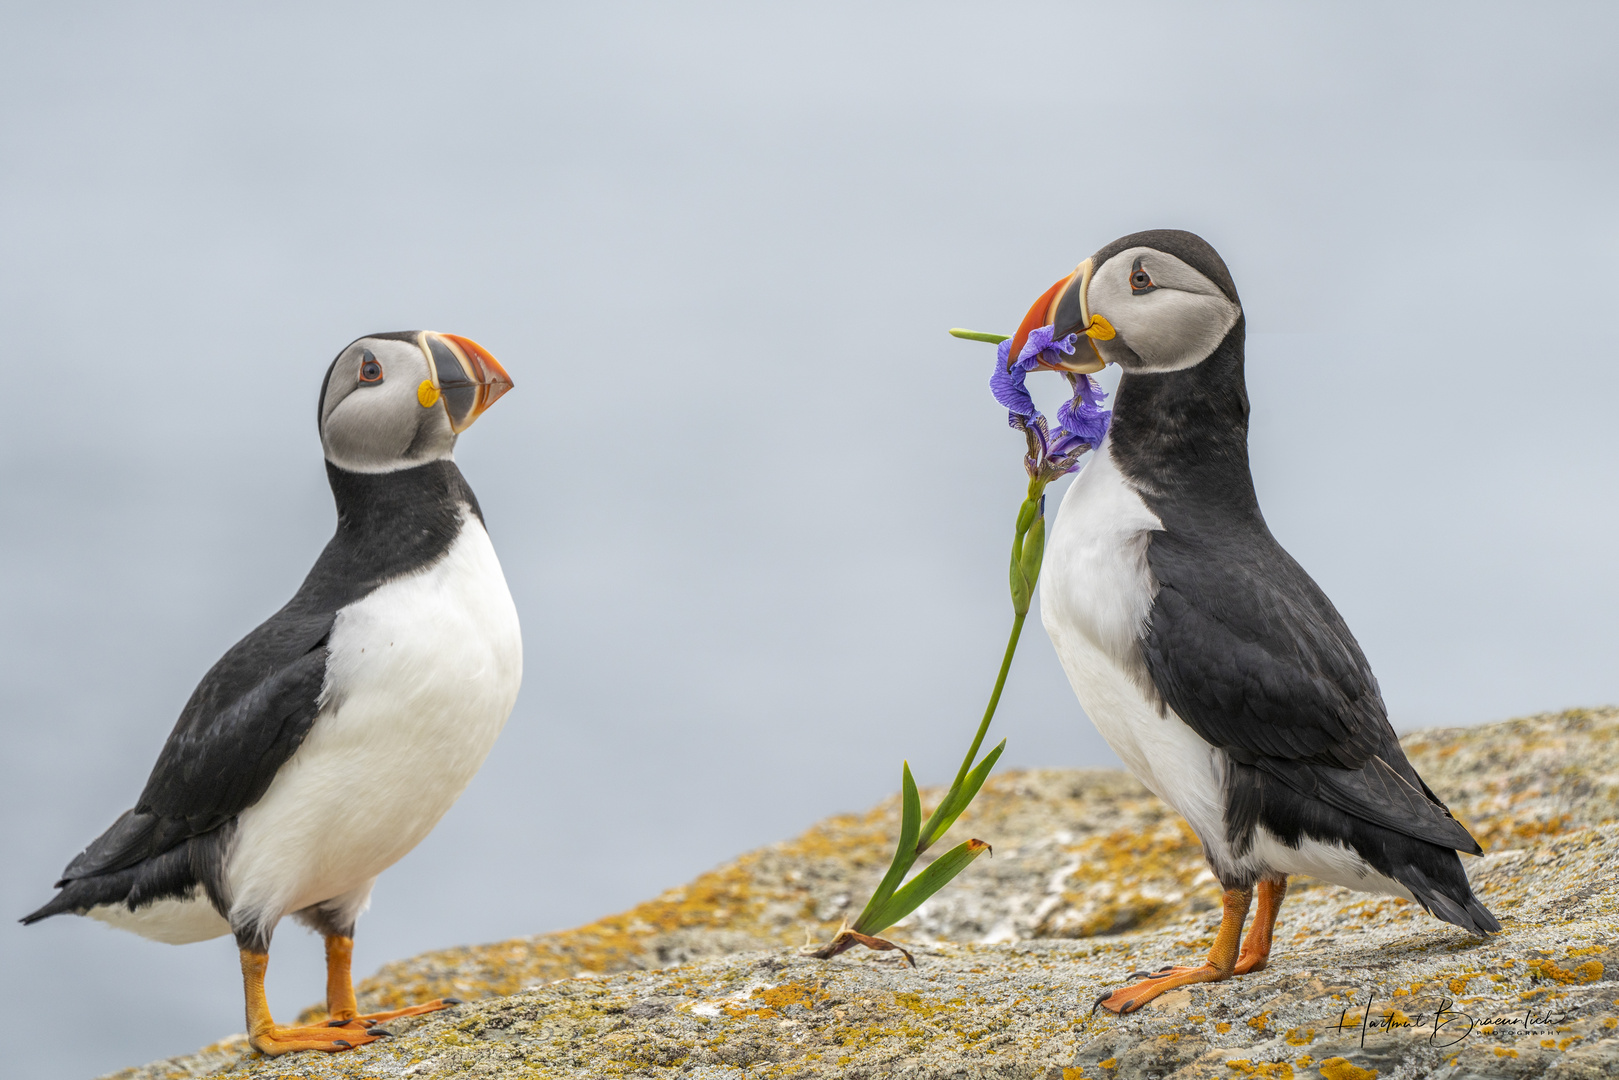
column 468, row 378
column 1044, row 313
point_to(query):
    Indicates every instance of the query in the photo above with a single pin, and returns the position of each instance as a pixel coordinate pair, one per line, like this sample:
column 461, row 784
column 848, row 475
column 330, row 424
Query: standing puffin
column 1210, row 661
column 327, row 743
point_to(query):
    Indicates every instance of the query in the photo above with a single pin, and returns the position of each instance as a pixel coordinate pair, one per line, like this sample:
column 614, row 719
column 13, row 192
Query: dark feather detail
column 1375, row 793
column 1432, row 872
column 253, row 709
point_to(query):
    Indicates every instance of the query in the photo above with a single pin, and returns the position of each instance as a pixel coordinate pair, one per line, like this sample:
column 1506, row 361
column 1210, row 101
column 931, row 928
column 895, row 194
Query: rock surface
column 1092, row 877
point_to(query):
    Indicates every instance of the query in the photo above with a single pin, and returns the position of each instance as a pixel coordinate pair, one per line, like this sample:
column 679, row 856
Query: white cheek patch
column 1174, row 326
column 384, row 427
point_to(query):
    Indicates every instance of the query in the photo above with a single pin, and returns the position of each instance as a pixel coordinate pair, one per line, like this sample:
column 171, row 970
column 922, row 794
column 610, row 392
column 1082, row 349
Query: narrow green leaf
column 924, row 885
column 957, row 799
column 979, row 335
column 905, row 854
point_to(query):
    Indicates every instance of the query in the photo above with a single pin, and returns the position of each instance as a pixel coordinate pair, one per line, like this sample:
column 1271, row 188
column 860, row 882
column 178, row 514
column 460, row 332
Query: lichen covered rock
column 1092, row 878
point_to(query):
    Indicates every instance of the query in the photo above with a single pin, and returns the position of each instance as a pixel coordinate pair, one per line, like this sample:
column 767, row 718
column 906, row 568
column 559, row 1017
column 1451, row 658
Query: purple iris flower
column 1081, row 422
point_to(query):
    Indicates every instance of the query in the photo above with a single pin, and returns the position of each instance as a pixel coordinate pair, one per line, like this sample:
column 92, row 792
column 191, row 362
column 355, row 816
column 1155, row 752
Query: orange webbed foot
column 275, row 1040
column 1131, row 998
column 1250, row 962
column 370, row 1020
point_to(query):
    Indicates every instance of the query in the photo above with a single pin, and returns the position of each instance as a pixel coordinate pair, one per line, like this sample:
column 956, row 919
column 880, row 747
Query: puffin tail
column 72, row 900
column 1449, row 896
column 136, row 862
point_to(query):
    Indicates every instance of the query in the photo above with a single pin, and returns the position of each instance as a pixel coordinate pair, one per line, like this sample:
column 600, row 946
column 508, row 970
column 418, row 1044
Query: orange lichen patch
column 1300, row 1036
column 1337, row 1068
column 1128, row 879
column 1222, row 1027
column 1260, row 1022
column 1108, row 1063
column 1505, row 1051
column 1588, row 972
column 771, row 1001
column 1272, row 1070
column 1458, row 985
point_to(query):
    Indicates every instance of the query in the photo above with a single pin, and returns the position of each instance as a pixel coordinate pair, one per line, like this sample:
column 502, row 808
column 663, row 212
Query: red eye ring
column 370, row 368
column 1140, row 280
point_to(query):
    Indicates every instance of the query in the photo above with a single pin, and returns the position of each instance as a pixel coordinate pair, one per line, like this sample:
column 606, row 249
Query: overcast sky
column 753, row 503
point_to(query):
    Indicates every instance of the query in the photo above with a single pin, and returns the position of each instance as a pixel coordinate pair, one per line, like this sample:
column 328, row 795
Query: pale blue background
column 753, row 503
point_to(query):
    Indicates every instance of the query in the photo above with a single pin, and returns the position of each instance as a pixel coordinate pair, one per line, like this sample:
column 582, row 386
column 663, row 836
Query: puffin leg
column 1256, row 946
column 270, row 1038
column 1221, row 963
column 342, row 1009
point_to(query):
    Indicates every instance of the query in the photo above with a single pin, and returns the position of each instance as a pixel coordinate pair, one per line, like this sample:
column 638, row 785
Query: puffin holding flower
column 1210, row 661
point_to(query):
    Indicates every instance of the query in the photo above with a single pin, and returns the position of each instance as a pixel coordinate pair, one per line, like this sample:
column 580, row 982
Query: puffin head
column 396, row 400
column 1152, row 301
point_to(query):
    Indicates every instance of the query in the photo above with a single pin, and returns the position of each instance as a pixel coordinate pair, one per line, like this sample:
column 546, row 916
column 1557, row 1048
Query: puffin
column 1206, row 656
column 328, row 742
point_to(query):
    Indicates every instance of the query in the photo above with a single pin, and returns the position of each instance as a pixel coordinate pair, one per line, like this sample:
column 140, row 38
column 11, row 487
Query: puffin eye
column 1140, row 280
column 370, row 368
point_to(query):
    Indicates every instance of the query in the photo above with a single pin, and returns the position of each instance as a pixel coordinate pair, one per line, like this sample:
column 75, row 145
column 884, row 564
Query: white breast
column 421, row 677
column 1096, row 591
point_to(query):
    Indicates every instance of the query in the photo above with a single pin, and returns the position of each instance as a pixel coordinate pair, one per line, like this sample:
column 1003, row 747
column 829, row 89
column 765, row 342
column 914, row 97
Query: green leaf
column 924, row 885
column 978, row 335
column 905, row 853
column 957, row 798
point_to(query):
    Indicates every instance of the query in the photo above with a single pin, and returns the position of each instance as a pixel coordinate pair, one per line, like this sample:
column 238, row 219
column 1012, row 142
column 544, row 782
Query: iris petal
column 1081, row 421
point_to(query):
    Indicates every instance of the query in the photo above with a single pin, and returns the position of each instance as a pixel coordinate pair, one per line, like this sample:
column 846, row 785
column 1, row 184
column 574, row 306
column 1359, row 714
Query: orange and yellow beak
column 464, row 376
column 1065, row 303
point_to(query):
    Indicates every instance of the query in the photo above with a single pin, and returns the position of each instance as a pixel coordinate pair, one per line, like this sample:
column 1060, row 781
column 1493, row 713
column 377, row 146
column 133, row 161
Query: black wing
column 1250, row 653
column 244, row 720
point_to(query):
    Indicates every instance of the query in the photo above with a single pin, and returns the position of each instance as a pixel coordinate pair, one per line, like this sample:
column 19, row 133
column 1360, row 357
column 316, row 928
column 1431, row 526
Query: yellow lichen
column 1588, row 972
column 1337, row 1068
column 1270, row 1070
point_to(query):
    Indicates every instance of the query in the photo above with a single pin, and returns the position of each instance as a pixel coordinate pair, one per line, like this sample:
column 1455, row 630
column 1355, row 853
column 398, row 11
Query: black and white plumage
column 324, row 745
column 1211, row 662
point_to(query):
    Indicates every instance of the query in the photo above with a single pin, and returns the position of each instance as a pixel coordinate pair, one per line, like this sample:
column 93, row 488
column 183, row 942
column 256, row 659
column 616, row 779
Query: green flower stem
column 892, row 900
column 994, row 697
